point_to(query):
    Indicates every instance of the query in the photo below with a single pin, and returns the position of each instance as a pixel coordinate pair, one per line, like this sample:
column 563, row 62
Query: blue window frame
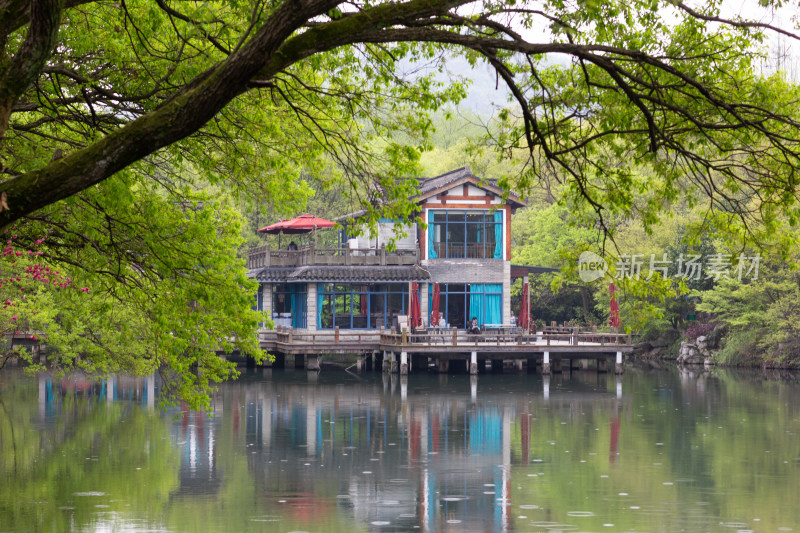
column 459, row 302
column 465, row 234
column 360, row 306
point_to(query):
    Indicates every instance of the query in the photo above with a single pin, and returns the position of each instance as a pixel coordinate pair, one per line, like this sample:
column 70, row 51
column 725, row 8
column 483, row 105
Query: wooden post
column 404, row 337
column 473, row 363
column 546, row 363
column 528, row 314
column 455, row 336
column 618, row 365
column 336, row 334
column 383, row 254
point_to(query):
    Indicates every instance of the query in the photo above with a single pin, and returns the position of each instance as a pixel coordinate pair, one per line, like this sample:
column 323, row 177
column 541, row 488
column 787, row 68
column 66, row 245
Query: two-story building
column 362, row 285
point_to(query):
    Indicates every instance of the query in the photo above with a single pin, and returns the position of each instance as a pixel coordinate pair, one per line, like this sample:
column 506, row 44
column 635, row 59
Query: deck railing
column 455, row 337
column 445, row 338
column 265, row 256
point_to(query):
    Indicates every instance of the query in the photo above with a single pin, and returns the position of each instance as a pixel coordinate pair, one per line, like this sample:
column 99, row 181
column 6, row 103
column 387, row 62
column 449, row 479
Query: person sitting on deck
column 513, row 322
column 473, row 327
column 292, row 246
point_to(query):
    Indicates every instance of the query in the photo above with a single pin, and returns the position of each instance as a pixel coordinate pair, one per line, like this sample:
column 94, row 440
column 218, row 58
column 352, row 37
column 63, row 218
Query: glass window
column 289, row 304
column 361, row 306
column 459, row 303
column 465, row 234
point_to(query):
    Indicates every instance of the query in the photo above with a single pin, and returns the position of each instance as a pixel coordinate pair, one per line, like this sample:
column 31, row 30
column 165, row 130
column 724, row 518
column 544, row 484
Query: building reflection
column 435, row 453
column 392, row 453
column 53, row 391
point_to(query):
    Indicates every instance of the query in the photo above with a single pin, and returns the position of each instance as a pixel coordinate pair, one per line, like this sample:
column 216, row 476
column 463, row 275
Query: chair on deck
column 402, row 323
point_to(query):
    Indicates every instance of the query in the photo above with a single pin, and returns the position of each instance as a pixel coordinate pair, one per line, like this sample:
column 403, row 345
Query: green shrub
column 739, row 347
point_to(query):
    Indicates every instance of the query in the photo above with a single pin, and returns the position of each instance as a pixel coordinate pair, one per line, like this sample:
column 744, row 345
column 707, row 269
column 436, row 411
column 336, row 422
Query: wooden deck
column 400, row 352
column 297, row 341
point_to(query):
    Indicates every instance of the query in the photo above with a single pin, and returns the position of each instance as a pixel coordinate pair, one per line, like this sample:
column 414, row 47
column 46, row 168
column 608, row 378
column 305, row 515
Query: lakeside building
column 361, row 285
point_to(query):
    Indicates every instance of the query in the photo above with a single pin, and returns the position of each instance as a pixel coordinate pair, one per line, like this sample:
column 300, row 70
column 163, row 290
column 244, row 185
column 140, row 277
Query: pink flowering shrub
column 23, row 275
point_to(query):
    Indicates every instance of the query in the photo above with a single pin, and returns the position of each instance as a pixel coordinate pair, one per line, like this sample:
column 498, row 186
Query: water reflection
column 291, row 451
column 402, row 453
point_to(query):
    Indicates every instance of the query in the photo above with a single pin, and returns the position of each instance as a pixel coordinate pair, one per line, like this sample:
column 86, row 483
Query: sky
column 485, row 94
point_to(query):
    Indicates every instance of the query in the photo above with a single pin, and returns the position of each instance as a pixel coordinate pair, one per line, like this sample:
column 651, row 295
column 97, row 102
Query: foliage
column 762, row 315
column 740, row 348
column 118, row 119
column 167, row 290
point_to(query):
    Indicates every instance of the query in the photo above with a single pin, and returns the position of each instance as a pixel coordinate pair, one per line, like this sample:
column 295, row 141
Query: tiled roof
column 272, row 274
column 431, row 186
column 343, row 274
column 427, row 185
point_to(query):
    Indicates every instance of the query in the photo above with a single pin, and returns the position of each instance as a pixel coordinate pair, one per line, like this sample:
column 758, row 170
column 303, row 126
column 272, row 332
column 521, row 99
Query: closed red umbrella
column 524, row 315
column 613, row 319
column 364, row 300
column 414, row 314
column 435, row 314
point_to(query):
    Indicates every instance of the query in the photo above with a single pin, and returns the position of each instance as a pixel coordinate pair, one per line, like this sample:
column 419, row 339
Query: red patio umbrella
column 294, row 226
column 613, row 319
column 435, row 314
column 302, row 224
column 414, row 314
column 524, row 314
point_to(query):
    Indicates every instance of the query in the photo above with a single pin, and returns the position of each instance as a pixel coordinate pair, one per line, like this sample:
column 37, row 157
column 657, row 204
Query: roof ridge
column 465, row 170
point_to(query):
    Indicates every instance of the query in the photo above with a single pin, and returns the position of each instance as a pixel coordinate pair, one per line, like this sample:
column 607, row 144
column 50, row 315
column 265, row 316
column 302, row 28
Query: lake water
column 653, row 450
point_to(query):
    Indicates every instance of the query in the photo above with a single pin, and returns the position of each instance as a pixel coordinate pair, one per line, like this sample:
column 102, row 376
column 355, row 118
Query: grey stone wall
column 266, row 298
column 423, row 303
column 506, row 291
column 468, row 270
column 311, row 307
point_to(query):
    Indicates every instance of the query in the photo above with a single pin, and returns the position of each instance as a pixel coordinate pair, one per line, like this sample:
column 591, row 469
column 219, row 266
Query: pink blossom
column 84, row 289
column 13, row 318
